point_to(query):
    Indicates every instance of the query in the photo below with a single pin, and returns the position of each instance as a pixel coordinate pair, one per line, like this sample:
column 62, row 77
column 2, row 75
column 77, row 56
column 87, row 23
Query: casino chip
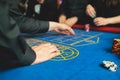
column 116, row 46
column 87, row 27
column 110, row 66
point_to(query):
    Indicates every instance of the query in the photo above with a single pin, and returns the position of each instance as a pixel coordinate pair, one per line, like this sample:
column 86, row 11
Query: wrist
column 52, row 25
column 110, row 21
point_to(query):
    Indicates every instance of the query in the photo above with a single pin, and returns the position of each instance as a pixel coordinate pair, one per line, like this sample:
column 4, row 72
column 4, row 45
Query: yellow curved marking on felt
column 63, row 57
column 74, row 51
column 66, row 59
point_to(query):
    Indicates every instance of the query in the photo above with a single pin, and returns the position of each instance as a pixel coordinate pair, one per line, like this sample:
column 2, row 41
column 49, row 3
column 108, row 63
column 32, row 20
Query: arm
column 29, row 25
column 13, row 49
column 101, row 21
column 114, row 20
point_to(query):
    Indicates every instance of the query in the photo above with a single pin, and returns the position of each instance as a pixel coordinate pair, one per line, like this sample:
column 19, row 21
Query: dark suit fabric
column 14, row 51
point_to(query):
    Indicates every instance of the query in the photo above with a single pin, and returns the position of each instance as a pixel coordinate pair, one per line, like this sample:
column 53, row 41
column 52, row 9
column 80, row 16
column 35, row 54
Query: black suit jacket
column 14, row 51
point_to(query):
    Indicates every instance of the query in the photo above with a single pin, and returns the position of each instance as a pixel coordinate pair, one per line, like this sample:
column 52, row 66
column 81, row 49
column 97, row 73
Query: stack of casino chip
column 116, row 46
column 110, row 65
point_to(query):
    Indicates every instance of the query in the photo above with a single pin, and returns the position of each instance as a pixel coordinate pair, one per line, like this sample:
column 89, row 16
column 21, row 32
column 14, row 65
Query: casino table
column 81, row 57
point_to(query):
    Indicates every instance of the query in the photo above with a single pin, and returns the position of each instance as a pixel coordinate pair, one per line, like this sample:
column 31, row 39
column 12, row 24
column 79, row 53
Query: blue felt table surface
column 93, row 48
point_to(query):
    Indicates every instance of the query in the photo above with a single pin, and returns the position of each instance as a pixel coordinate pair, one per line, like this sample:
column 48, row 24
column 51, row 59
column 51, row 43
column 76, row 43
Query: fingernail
column 93, row 16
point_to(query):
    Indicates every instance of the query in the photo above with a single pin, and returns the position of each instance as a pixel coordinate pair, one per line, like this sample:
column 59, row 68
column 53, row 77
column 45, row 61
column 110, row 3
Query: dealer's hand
column 61, row 28
column 45, row 52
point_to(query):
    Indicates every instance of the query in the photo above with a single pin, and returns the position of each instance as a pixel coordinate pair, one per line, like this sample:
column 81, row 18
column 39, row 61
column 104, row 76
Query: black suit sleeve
column 14, row 51
column 28, row 25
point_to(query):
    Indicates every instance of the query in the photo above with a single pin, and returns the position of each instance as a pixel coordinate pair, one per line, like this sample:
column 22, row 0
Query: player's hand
column 90, row 11
column 100, row 21
column 45, row 52
column 71, row 21
column 61, row 28
column 62, row 18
